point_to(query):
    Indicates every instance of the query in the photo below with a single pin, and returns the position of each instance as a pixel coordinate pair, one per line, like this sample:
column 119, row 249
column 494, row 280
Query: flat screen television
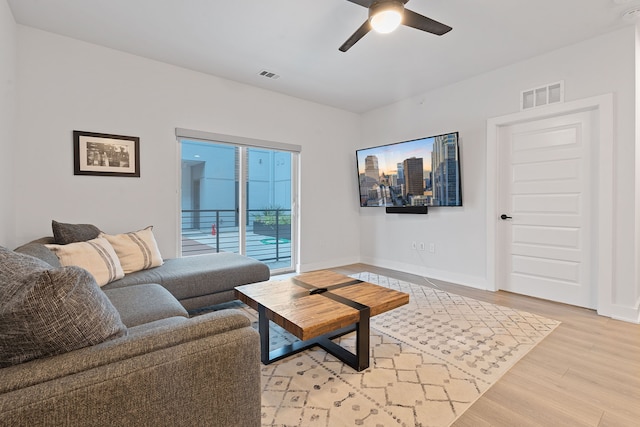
column 420, row 172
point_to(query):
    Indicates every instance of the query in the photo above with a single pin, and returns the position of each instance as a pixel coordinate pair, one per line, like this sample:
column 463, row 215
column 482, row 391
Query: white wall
column 637, row 168
column 8, row 67
column 67, row 84
column 601, row 65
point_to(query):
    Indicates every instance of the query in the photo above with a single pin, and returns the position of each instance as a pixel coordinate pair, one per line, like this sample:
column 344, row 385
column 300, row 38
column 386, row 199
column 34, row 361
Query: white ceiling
column 299, row 40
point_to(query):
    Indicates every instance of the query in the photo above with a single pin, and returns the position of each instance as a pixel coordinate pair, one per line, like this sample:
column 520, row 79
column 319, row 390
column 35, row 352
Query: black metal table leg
column 362, row 340
column 263, row 330
column 358, row 361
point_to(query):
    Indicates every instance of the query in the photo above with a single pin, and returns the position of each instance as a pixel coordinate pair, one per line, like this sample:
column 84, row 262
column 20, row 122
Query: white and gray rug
column 430, row 360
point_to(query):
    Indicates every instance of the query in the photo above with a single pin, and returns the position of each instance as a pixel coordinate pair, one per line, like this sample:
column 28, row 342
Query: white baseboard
column 305, row 267
column 446, row 276
column 625, row 314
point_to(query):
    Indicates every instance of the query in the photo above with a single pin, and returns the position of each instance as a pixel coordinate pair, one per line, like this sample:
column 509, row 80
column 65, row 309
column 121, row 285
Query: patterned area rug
column 430, row 360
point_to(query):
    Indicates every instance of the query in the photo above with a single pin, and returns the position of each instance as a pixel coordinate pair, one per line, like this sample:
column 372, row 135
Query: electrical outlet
column 421, row 246
column 413, row 245
column 432, row 247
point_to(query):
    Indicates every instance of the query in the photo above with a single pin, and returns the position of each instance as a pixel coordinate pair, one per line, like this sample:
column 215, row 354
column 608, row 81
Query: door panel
column 546, row 237
column 546, row 268
column 209, row 199
column 545, row 189
column 269, row 207
column 546, row 203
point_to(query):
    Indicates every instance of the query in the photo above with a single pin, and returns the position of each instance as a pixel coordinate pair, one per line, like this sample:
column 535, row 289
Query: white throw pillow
column 97, row 256
column 137, row 250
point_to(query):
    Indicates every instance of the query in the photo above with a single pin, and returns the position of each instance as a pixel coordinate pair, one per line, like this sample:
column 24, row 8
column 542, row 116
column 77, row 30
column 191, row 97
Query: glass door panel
column 269, row 203
column 210, row 220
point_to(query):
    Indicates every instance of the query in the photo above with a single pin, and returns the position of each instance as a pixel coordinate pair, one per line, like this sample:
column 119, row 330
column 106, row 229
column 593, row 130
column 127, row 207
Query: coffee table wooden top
column 289, row 304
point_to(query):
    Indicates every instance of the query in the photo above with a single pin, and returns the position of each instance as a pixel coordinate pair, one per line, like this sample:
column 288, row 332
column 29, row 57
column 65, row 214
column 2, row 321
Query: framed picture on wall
column 106, row 155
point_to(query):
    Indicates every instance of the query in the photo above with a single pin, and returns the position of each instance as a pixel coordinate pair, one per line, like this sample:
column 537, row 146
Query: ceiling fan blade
column 415, row 20
column 360, row 33
column 368, row 3
column 363, row 3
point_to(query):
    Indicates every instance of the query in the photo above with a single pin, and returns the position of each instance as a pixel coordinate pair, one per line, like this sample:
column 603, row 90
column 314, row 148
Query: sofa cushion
column 137, row 250
column 145, row 303
column 96, row 256
column 64, row 234
column 46, row 311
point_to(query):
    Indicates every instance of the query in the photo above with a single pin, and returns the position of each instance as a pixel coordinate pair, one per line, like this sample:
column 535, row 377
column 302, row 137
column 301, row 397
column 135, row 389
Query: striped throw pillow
column 96, row 256
column 137, row 250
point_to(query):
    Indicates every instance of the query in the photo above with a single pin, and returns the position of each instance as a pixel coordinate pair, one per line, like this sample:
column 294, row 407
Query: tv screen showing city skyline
column 419, row 172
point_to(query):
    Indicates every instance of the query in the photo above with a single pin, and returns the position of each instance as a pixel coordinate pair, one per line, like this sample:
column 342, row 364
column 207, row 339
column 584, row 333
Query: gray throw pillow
column 46, row 311
column 70, row 233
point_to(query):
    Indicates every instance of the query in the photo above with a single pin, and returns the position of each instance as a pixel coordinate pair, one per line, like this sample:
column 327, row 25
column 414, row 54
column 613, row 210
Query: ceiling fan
column 386, row 15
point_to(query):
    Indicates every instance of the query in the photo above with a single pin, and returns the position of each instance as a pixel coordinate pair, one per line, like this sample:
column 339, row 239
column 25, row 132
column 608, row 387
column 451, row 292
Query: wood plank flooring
column 586, row 373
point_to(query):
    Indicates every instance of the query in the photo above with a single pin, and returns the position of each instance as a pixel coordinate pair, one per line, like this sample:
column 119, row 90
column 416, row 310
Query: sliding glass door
column 237, row 198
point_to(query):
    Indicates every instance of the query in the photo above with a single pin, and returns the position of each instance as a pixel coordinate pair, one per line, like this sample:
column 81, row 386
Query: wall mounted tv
column 420, row 172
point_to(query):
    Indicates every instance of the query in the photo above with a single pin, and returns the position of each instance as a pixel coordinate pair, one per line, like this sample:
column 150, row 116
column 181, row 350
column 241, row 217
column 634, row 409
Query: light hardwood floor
column 585, row 373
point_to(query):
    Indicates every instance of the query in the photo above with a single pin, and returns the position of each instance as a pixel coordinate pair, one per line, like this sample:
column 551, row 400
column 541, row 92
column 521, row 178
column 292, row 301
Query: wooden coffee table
column 318, row 307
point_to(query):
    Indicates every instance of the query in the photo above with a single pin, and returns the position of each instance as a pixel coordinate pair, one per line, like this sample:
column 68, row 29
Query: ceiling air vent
column 632, row 14
column 269, row 74
column 539, row 97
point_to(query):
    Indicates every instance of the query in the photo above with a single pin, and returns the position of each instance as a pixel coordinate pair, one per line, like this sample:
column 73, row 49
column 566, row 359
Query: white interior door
column 545, row 200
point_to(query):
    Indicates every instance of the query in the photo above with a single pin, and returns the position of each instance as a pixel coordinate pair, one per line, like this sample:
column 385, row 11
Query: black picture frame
column 102, row 154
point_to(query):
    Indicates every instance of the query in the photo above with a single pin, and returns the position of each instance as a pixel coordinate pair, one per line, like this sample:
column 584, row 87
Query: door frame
column 240, row 141
column 602, row 165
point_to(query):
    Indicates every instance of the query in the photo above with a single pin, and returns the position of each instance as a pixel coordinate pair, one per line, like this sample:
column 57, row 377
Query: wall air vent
column 269, row 74
column 539, row 97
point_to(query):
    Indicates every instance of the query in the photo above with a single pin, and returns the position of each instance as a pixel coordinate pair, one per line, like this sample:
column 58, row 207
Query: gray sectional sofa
column 126, row 354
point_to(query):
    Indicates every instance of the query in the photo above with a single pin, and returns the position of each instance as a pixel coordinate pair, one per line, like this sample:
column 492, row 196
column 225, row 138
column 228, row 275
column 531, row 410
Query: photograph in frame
column 106, row 155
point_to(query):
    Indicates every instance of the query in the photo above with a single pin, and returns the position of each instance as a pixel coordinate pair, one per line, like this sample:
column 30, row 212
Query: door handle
column 505, row 217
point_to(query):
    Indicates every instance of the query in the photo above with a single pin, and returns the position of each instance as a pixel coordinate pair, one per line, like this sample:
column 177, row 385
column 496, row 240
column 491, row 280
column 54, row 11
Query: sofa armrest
column 201, row 371
column 38, row 250
column 138, row 342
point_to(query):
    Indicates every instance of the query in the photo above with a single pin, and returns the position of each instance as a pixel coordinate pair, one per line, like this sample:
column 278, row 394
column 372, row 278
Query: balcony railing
column 217, row 230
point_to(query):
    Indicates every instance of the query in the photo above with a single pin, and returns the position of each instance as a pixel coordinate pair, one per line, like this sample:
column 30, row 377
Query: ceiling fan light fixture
column 386, row 16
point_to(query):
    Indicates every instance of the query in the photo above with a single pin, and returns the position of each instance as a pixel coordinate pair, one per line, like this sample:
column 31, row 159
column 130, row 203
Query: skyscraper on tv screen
column 371, row 169
column 400, row 173
column 445, row 172
column 413, row 176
